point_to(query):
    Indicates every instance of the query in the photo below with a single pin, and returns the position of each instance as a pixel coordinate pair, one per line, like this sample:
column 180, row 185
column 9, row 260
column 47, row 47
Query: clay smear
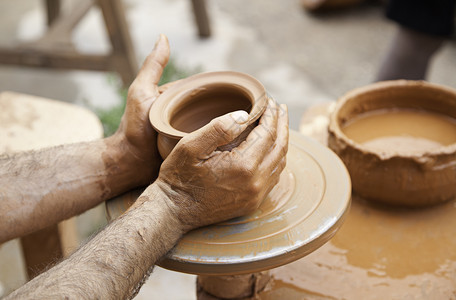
column 378, row 252
column 402, row 130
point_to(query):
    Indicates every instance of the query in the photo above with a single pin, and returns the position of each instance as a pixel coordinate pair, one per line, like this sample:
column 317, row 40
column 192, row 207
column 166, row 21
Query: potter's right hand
column 205, row 185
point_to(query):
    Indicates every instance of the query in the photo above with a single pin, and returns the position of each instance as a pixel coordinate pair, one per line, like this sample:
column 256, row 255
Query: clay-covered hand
column 135, row 137
column 205, row 185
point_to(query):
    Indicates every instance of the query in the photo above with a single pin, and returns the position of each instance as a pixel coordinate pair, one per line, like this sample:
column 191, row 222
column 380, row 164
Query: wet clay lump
column 402, row 131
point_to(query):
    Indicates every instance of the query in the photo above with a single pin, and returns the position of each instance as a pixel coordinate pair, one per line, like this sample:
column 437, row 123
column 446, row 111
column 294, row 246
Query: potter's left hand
column 135, row 139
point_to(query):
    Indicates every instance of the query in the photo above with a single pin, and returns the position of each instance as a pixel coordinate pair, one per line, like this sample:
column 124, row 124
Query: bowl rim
column 160, row 111
column 335, row 129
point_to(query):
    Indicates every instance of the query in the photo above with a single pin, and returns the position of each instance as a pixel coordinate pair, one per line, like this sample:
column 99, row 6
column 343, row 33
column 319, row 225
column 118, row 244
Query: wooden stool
column 26, row 123
column 56, row 51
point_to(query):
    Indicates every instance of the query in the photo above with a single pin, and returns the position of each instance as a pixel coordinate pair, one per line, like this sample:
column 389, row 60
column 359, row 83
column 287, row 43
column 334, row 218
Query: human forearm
column 43, row 187
column 112, row 265
column 198, row 185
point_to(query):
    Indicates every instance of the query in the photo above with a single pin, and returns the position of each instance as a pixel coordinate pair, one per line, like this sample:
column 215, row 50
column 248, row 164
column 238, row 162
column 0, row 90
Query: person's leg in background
column 423, row 28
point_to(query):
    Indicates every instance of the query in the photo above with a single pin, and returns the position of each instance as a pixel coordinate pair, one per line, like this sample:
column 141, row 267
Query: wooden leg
column 48, row 51
column 41, row 249
column 123, row 53
column 233, row 287
column 201, row 18
column 55, row 60
column 52, row 10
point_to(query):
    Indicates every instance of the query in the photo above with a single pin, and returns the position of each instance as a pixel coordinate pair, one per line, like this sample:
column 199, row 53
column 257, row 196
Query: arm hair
column 117, row 261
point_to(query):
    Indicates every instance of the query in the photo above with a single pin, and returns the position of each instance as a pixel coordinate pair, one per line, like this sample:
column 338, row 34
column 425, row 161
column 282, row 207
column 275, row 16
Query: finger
column 154, row 64
column 262, row 137
column 280, row 148
column 283, row 135
column 275, row 161
column 274, row 176
column 220, row 131
column 149, row 75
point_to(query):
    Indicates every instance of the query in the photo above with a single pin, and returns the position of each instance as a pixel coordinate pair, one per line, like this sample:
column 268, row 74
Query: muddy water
column 378, row 252
column 402, row 130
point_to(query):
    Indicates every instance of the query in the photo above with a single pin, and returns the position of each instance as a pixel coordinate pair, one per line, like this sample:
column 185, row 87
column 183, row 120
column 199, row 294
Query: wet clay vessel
column 196, row 100
column 410, row 178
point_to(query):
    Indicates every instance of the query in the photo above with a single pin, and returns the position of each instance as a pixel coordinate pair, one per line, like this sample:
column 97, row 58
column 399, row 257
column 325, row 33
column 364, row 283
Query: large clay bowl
column 196, row 100
column 401, row 179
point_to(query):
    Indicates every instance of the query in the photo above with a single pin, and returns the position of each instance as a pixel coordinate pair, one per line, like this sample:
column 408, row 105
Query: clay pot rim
column 335, row 129
column 160, row 111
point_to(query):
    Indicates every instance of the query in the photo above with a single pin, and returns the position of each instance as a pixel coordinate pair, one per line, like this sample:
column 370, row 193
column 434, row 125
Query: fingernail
column 240, row 116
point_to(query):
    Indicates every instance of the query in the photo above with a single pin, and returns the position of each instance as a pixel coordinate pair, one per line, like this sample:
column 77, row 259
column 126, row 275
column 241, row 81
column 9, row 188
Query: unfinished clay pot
column 397, row 139
column 196, row 100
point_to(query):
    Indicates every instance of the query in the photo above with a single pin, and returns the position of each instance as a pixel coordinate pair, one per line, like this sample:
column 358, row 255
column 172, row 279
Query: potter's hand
column 135, row 137
column 206, row 185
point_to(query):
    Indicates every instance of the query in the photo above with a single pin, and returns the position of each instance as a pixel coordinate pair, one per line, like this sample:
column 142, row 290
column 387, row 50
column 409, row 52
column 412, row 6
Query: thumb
column 220, row 131
column 144, row 86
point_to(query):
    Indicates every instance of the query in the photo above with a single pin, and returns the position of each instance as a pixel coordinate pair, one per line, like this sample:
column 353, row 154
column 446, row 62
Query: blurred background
column 302, row 58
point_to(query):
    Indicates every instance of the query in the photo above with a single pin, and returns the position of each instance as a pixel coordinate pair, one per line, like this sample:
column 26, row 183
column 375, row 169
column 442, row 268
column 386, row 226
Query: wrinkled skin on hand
column 206, row 185
column 137, row 137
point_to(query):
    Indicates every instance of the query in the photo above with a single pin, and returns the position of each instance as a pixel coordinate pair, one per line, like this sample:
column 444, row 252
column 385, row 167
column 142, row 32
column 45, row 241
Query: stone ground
column 302, row 59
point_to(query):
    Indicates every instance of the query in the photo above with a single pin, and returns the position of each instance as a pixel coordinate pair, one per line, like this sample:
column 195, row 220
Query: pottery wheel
column 300, row 214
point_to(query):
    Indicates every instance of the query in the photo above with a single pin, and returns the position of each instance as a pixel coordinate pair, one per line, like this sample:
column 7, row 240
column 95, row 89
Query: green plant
column 110, row 118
